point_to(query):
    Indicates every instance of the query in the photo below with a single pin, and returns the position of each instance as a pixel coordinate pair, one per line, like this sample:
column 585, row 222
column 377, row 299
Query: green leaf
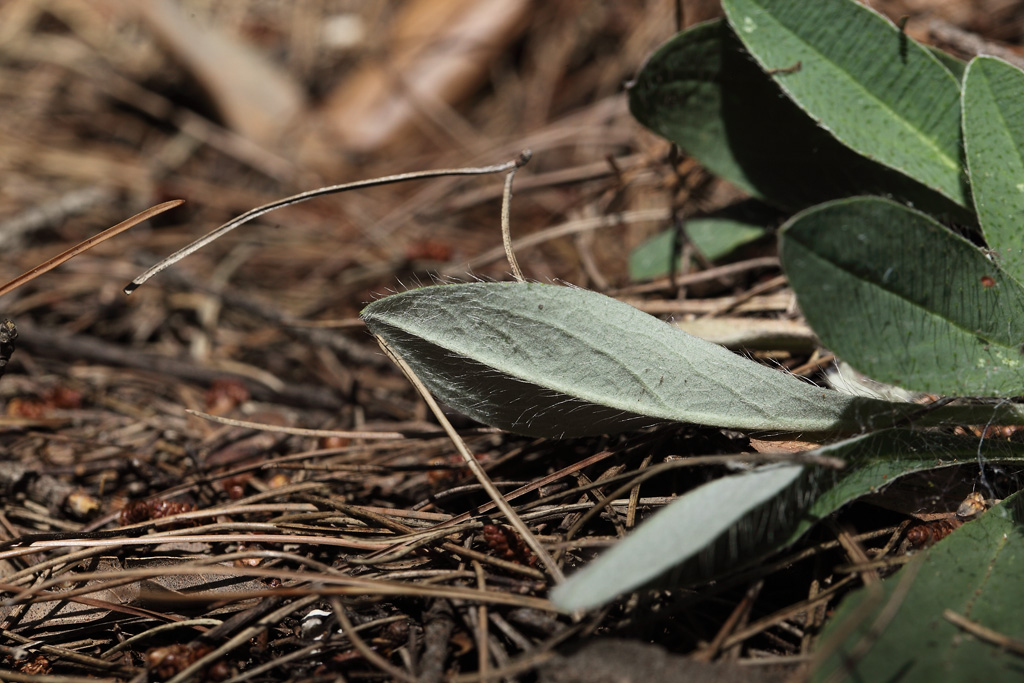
column 975, row 572
column 702, row 91
column 993, row 103
column 676, row 533
column 875, row 460
column 714, row 237
column 904, row 300
column 653, row 258
column 678, row 95
column 954, row 65
column 556, row 361
column 737, row 520
column 875, row 89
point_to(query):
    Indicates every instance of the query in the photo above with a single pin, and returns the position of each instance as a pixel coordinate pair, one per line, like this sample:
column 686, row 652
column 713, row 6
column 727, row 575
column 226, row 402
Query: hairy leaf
column 556, row 361
column 993, row 103
column 703, row 91
column 904, row 300
column 904, row 628
column 734, row 521
column 861, row 78
column 678, row 532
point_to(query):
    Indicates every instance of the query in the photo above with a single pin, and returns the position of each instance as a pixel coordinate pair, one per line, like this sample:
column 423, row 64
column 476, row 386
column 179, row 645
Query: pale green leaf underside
column 877, row 91
column 557, row 361
column 726, row 525
column 676, row 533
column 993, row 119
column 974, row 572
column 904, row 300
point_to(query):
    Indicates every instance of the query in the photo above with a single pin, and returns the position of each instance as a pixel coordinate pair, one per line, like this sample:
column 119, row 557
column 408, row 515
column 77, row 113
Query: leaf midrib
column 929, row 141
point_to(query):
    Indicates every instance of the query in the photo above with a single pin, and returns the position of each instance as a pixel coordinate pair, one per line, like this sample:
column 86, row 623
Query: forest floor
column 140, row 539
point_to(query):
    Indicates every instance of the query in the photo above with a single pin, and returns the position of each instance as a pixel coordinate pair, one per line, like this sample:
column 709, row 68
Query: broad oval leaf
column 557, row 361
column 904, row 300
column 974, row 573
column 875, row 89
column 993, row 119
column 734, row 521
column 702, row 91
